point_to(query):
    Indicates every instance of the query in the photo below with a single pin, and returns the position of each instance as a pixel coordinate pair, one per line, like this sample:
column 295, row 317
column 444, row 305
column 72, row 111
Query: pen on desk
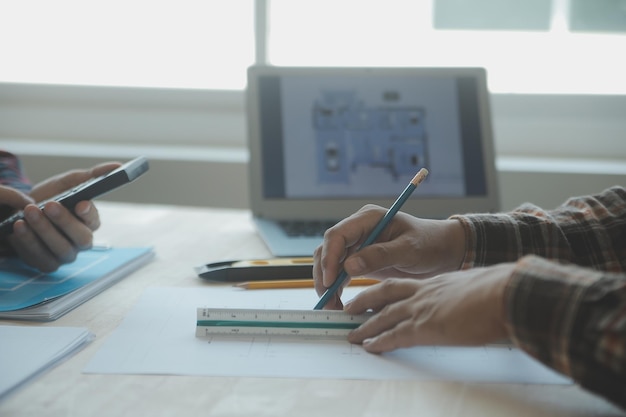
column 417, row 179
column 297, row 283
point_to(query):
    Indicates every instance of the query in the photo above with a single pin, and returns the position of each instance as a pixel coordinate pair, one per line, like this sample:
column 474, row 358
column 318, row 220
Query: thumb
column 14, row 198
column 64, row 181
column 103, row 168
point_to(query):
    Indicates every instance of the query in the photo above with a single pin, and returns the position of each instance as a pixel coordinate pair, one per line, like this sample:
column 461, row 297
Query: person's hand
column 66, row 180
column 47, row 238
column 457, row 308
column 407, row 247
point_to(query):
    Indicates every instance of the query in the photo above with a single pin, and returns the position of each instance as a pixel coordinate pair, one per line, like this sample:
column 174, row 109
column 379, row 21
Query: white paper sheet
column 25, row 352
column 158, row 337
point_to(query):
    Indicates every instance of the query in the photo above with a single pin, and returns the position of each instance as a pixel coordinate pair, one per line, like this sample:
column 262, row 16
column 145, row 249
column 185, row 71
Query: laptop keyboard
column 299, row 228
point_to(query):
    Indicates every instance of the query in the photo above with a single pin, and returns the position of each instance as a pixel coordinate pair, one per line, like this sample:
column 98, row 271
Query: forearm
column 573, row 320
column 587, row 231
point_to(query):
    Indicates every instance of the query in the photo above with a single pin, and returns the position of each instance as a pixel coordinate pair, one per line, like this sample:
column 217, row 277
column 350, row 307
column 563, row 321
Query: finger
column 332, row 253
column 379, row 257
column 30, row 249
column 59, row 183
column 14, row 198
column 319, row 284
column 343, row 239
column 335, row 302
column 379, row 295
column 88, row 213
column 52, row 239
column 387, row 318
column 400, row 336
column 104, row 168
column 68, row 227
column 317, row 271
column 65, row 181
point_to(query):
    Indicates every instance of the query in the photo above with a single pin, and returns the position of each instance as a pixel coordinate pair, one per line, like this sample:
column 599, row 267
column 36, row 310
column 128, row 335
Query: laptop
column 326, row 141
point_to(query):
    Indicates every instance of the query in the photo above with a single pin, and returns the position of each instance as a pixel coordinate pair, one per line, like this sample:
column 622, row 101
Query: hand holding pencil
column 329, row 278
column 409, row 247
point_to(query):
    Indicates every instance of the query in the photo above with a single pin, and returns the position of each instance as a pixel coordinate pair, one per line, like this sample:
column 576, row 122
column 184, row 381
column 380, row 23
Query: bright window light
column 401, row 33
column 208, row 44
column 141, row 43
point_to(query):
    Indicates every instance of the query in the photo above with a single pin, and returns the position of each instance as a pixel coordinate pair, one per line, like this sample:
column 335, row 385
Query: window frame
column 527, row 125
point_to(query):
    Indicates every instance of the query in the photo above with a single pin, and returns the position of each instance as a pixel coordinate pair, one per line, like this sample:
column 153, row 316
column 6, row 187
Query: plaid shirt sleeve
column 11, row 173
column 588, row 231
column 573, row 320
column 567, row 306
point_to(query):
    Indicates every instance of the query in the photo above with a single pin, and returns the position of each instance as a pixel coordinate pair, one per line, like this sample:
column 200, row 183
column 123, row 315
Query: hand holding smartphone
column 88, row 190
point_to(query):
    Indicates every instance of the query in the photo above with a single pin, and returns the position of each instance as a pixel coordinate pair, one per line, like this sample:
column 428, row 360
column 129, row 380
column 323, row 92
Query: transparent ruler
column 260, row 322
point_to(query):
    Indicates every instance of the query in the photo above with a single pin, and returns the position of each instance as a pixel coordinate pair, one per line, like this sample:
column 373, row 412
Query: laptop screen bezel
column 334, row 208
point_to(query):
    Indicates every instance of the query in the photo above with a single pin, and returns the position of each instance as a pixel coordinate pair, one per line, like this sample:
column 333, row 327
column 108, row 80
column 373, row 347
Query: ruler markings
column 250, row 322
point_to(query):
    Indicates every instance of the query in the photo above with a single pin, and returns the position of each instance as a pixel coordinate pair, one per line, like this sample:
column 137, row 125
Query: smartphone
column 88, row 190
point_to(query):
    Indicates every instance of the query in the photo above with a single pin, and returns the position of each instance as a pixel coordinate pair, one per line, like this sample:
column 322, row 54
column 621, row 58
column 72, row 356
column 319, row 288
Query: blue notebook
column 27, row 294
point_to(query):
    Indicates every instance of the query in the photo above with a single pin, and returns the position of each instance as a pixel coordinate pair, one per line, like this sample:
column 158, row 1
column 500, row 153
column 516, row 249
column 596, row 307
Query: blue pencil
column 417, row 179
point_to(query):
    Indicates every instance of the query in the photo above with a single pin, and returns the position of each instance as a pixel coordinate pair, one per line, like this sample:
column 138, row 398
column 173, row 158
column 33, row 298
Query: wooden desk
column 185, row 237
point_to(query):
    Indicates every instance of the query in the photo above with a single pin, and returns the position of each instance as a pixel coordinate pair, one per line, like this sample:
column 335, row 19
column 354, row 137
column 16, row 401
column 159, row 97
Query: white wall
column 547, row 147
column 224, row 184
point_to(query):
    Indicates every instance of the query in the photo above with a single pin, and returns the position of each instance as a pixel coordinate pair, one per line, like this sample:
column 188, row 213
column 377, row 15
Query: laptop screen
column 339, row 138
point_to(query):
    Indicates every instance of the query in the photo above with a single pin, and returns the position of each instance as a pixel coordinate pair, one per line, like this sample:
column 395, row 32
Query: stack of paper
column 25, row 352
column 27, row 294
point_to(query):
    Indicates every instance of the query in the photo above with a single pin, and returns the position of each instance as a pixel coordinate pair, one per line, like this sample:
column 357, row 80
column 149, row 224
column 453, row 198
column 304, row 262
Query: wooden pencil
column 296, row 283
